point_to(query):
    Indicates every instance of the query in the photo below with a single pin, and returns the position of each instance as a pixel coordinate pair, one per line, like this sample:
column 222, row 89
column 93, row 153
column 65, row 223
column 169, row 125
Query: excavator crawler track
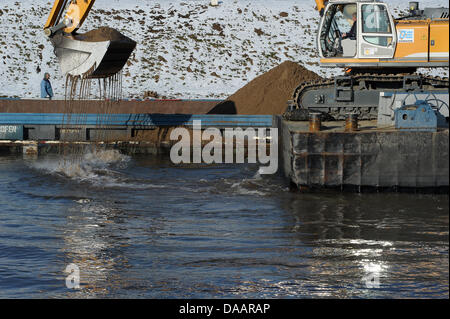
column 357, row 93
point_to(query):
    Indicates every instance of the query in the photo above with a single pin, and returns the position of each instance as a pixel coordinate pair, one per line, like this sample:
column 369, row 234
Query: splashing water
column 87, row 163
column 96, row 166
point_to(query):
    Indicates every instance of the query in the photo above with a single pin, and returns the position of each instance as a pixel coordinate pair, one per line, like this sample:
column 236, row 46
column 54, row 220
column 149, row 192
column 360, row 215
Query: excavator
column 381, row 54
column 81, row 56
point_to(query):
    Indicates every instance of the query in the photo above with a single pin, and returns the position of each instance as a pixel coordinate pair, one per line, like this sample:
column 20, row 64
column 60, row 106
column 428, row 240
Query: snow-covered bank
column 185, row 48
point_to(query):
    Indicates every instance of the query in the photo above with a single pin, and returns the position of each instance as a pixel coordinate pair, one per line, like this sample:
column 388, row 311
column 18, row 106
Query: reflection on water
column 89, row 248
column 141, row 227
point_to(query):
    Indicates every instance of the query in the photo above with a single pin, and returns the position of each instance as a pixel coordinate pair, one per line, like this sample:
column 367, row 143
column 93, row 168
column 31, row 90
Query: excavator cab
column 336, row 22
column 370, row 24
column 99, row 53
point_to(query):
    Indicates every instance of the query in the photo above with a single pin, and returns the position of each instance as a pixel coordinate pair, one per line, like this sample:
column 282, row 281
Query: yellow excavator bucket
column 97, row 54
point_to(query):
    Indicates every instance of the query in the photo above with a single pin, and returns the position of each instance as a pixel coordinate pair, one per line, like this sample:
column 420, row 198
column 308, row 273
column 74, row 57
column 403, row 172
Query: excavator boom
column 84, row 55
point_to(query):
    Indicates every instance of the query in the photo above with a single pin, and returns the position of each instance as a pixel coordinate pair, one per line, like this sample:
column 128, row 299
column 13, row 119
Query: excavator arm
column 320, row 5
column 77, row 11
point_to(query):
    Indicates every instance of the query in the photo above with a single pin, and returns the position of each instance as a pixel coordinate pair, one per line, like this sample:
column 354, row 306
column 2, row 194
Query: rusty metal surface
column 122, row 107
column 315, row 122
column 376, row 159
column 367, row 158
column 351, row 122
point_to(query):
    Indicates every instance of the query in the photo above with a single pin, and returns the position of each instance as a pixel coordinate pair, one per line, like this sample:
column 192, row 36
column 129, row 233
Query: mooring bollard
column 351, row 122
column 30, row 150
column 315, row 122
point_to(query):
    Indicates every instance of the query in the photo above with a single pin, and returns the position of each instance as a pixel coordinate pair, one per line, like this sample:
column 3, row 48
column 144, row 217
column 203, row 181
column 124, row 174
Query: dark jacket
column 46, row 89
column 352, row 33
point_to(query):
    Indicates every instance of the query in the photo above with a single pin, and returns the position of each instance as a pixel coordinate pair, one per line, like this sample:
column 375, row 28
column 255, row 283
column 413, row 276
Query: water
column 141, row 227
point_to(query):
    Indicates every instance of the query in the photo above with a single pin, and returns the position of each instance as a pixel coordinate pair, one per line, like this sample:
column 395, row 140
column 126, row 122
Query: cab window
column 375, row 19
column 337, row 20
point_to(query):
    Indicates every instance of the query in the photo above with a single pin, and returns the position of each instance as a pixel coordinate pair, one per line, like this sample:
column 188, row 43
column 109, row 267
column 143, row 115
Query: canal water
column 140, row 227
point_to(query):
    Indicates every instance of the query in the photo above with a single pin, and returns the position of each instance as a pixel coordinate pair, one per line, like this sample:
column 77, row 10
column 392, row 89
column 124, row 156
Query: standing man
column 46, row 87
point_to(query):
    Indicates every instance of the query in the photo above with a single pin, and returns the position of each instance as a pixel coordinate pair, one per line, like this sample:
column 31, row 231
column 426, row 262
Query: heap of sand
column 102, row 34
column 269, row 93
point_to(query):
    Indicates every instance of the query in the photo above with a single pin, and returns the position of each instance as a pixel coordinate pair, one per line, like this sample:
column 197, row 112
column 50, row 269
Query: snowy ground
column 186, row 49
